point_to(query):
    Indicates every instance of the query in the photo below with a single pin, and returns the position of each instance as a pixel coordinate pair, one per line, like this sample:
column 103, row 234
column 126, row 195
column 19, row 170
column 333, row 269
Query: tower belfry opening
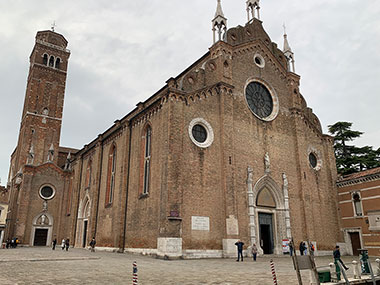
column 253, row 9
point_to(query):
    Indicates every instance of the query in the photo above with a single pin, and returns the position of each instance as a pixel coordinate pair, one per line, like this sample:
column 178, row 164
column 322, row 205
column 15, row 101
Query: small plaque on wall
column 200, row 223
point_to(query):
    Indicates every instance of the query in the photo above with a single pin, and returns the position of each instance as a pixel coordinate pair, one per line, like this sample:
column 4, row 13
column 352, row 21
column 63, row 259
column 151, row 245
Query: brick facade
column 202, row 197
column 359, row 206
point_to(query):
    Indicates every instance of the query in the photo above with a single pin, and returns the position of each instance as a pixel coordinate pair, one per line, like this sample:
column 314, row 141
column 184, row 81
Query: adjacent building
column 226, row 150
column 3, row 211
column 359, row 206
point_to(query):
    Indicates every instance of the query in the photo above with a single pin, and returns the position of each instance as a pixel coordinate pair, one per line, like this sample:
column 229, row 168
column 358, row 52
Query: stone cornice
column 354, row 181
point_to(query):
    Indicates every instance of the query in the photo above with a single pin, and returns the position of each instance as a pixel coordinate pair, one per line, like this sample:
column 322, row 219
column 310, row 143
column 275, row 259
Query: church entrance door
column 266, row 232
column 40, row 237
column 85, row 223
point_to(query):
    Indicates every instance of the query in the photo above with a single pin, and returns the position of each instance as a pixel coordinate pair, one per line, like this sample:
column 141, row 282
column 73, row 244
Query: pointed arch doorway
column 267, row 215
column 83, row 221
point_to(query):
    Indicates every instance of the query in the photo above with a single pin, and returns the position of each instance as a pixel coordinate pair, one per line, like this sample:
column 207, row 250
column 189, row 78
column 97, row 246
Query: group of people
column 65, row 244
column 239, row 244
column 303, row 248
column 12, row 243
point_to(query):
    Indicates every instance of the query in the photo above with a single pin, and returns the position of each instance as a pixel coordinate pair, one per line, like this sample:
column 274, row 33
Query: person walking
column 254, row 252
column 291, row 248
column 54, row 243
column 63, row 244
column 239, row 245
column 337, row 259
column 92, row 244
column 304, row 248
column 67, row 242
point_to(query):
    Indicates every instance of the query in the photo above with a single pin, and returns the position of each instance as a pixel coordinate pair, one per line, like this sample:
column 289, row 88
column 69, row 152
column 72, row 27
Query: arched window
column 45, row 60
column 111, row 175
column 147, row 156
column 88, row 174
column 51, row 61
column 57, row 63
column 356, row 200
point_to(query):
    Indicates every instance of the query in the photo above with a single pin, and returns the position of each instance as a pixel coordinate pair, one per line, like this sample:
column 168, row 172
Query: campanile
column 41, row 119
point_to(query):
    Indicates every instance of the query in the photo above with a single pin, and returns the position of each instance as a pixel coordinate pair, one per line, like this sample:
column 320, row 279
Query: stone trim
column 355, row 181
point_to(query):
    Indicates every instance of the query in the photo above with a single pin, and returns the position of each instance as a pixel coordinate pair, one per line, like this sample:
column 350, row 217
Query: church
column 226, row 150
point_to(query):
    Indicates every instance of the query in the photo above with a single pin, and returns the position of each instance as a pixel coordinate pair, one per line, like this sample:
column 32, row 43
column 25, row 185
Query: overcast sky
column 122, row 51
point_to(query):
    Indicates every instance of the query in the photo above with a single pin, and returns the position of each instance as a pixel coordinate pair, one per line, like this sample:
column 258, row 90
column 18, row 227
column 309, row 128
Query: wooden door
column 355, row 242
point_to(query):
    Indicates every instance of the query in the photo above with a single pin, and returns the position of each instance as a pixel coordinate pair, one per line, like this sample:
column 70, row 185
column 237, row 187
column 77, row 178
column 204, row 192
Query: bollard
column 378, row 267
column 357, row 272
column 273, row 272
column 135, row 278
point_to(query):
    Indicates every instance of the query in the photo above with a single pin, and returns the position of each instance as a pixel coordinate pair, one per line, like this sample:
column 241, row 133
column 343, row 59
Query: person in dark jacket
column 239, row 245
column 302, row 248
column 54, row 243
column 336, row 255
column 67, row 243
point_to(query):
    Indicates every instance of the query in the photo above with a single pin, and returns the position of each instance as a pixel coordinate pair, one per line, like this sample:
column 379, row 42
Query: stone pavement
column 39, row 265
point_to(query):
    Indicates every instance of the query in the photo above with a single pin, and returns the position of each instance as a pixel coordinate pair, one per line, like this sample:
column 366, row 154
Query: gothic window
column 356, row 200
column 51, row 61
column 45, row 60
column 147, row 157
column 88, row 175
column 111, row 175
column 57, row 63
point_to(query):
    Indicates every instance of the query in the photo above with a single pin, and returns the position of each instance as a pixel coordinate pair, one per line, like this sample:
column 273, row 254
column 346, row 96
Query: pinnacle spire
column 219, row 11
column 219, row 23
column 288, row 53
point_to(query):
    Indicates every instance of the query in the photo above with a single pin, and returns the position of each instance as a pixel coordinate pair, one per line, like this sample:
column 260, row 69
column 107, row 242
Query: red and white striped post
column 273, row 272
column 135, row 278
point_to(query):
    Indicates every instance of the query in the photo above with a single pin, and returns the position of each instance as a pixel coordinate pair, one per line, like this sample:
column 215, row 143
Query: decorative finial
column 219, row 21
column 53, row 25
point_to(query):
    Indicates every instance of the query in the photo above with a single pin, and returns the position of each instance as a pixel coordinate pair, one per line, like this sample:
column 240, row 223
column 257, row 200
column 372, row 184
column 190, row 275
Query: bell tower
column 41, row 119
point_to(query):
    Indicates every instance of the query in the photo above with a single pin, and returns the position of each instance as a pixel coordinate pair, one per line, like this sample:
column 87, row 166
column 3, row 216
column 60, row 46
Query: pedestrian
column 291, row 248
column 67, row 242
column 54, row 243
column 92, row 244
column 254, row 252
column 336, row 255
column 311, row 248
column 63, row 244
column 239, row 245
column 302, row 249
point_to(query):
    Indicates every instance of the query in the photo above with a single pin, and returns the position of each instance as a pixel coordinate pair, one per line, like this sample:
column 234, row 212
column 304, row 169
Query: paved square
column 39, row 265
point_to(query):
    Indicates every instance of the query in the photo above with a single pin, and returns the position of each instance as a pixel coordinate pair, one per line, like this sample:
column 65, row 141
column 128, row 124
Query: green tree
column 349, row 158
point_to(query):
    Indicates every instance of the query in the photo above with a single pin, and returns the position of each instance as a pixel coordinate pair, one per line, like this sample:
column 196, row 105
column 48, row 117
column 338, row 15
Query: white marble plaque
column 200, row 223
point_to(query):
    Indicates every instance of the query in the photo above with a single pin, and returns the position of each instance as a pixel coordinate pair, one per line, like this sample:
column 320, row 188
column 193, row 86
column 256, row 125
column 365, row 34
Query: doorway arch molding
column 48, row 226
column 84, row 214
column 279, row 226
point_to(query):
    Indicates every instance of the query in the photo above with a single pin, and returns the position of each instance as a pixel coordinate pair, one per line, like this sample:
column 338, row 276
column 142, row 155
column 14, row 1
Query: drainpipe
column 121, row 250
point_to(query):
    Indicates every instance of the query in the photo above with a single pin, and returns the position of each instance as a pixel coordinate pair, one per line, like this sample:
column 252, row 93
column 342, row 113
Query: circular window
column 259, row 60
column 47, row 192
column 201, row 133
column 313, row 160
column 259, row 99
